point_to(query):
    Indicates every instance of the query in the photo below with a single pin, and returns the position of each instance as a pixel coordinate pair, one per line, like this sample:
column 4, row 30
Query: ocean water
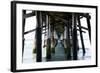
column 59, row 55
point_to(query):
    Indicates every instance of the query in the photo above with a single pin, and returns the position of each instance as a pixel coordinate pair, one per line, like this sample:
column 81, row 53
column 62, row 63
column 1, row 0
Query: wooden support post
column 48, row 53
column 81, row 36
column 52, row 39
column 38, row 37
column 74, row 37
column 23, row 30
column 68, row 41
column 65, row 40
column 89, row 27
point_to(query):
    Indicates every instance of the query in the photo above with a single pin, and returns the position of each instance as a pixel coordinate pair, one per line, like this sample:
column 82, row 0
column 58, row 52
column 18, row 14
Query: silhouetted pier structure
column 63, row 23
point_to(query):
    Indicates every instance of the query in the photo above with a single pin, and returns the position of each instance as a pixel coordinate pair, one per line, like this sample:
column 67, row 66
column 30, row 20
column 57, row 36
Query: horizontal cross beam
column 31, row 31
column 85, row 15
column 29, row 15
column 82, row 27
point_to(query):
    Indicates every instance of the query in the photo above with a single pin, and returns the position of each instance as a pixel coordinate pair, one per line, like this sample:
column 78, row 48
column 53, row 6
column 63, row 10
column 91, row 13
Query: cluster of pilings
column 64, row 23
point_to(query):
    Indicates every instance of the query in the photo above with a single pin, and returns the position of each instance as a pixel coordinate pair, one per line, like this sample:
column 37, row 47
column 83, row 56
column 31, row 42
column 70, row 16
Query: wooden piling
column 89, row 27
column 38, row 36
column 48, row 49
column 23, row 30
column 81, row 36
column 74, row 36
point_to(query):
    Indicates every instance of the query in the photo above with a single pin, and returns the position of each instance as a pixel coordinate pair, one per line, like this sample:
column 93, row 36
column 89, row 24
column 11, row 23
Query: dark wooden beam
column 70, row 21
column 52, row 38
column 81, row 31
column 81, row 36
column 48, row 53
column 68, row 40
column 86, row 15
column 23, row 29
column 89, row 28
column 64, row 20
column 82, row 27
column 43, row 29
column 29, row 15
column 29, row 31
column 74, row 37
column 38, row 37
column 32, row 31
